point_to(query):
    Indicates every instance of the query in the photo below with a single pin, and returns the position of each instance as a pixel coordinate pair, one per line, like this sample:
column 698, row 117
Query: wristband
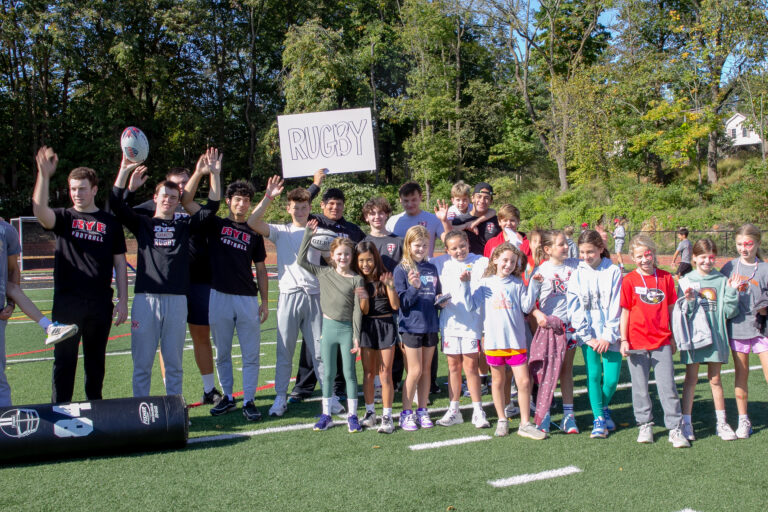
column 268, row 196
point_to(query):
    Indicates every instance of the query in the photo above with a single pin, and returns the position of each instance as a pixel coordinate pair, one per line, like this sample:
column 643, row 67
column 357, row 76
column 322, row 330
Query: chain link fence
column 666, row 241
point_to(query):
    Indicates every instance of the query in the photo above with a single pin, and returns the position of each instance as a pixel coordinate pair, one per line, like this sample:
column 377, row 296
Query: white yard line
column 533, row 477
column 251, row 433
column 450, row 442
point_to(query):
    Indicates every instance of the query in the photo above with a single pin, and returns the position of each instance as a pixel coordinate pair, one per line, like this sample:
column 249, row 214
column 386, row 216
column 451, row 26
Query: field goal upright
column 37, row 244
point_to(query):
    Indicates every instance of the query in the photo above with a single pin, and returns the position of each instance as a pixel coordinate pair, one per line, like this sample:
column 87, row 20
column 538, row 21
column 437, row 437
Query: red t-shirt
column 648, row 299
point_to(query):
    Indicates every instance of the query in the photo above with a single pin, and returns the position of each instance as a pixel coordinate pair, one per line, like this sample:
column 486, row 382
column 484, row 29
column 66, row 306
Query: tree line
column 568, row 91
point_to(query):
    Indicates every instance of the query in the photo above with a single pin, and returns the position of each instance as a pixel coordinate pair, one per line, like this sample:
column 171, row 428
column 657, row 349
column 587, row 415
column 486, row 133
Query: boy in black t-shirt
column 162, row 274
column 234, row 302
column 89, row 244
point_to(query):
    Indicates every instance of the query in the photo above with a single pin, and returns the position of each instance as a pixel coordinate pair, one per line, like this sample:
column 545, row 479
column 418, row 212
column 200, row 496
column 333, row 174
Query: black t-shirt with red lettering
column 163, row 246
column 485, row 230
column 233, row 246
column 85, row 247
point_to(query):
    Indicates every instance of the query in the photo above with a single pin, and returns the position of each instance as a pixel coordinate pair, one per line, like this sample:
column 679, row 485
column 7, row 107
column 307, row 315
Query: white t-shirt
column 291, row 277
column 554, row 287
column 455, row 317
column 400, row 223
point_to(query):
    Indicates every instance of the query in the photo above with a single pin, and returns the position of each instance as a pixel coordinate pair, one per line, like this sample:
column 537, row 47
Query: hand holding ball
column 134, row 144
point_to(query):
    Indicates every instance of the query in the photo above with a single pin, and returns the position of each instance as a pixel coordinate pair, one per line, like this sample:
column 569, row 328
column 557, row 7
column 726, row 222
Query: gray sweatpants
column 225, row 313
column 297, row 311
column 664, row 373
column 158, row 319
column 5, row 388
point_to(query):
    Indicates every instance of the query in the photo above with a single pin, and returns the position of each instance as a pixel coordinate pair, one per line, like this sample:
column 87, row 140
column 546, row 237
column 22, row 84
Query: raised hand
column 319, row 176
column 275, row 186
column 138, row 178
column 361, row 293
column 312, row 225
column 441, row 210
column 127, row 166
column 47, row 161
column 387, row 279
column 414, row 278
column 465, row 276
column 202, row 166
column 214, row 160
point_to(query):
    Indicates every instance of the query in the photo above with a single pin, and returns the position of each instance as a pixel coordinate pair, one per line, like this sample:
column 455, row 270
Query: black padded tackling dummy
column 99, row 427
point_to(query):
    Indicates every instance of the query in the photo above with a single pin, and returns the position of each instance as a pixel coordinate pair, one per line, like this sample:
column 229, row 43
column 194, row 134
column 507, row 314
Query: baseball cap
column 484, row 187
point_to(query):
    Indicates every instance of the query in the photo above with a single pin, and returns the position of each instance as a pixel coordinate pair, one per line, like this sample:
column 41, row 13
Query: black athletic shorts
column 411, row 340
column 683, row 268
column 378, row 333
column 197, row 303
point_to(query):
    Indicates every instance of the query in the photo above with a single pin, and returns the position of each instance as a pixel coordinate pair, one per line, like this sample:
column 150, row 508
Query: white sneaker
column 530, row 431
column 645, row 434
column 450, row 418
column 502, row 428
column 511, row 410
column 677, row 439
column 687, row 429
column 279, row 407
column 377, row 395
column 725, row 432
column 744, row 430
column 479, row 420
column 336, row 407
column 59, row 332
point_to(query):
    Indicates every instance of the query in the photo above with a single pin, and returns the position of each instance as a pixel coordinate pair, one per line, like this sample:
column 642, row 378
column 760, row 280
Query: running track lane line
column 533, row 477
column 450, row 442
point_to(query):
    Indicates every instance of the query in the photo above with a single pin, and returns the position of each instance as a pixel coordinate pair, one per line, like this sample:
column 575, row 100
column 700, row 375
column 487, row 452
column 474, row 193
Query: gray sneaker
column 677, row 439
column 387, row 425
column 530, row 431
column 502, row 428
column 279, row 407
column 511, row 410
column 59, row 332
column 450, row 418
column 645, row 434
column 337, row 408
column 369, row 420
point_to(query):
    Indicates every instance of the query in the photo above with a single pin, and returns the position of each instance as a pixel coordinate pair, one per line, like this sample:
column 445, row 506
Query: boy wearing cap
column 486, row 229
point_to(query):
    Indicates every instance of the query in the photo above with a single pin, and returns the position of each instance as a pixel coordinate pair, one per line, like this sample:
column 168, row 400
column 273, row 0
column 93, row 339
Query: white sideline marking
column 686, row 510
column 450, row 442
column 533, row 477
column 251, row 433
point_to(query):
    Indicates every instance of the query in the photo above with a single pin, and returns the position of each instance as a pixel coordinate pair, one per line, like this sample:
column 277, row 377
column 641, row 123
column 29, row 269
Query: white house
column 738, row 132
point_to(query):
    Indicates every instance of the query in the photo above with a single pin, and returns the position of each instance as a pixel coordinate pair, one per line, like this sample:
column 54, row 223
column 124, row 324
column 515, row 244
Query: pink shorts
column 515, row 360
column 755, row 345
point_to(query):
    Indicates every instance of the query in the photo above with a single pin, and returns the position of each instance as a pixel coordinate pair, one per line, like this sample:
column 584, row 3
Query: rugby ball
column 322, row 239
column 134, row 144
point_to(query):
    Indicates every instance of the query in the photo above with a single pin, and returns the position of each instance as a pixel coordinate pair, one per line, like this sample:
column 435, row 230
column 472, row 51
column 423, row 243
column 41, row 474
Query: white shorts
column 456, row 346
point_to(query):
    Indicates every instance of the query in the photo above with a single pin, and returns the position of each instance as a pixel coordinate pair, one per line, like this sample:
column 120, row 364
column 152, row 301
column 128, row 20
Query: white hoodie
column 593, row 303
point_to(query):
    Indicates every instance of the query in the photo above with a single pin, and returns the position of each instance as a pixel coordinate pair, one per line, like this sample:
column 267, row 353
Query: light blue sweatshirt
column 593, row 303
column 502, row 302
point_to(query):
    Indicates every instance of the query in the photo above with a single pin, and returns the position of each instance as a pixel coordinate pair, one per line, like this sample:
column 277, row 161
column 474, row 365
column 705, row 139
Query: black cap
column 484, row 187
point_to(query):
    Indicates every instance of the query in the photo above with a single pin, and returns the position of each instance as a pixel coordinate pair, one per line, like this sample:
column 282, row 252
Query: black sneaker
column 250, row 412
column 225, row 405
column 212, row 397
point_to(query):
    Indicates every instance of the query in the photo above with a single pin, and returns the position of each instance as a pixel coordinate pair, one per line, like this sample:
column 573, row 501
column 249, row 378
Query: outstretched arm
column 214, row 164
column 275, row 186
column 190, row 189
column 47, row 161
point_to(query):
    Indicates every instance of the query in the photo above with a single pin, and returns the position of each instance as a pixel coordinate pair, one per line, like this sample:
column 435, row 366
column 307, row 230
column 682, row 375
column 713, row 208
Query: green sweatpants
column 602, row 377
column 337, row 336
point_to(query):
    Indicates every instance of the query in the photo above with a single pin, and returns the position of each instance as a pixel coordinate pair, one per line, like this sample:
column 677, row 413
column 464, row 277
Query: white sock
column 454, row 406
column 743, row 417
column 208, row 382
column 370, row 407
column 44, row 323
column 477, row 406
column 720, row 416
column 387, row 411
column 352, row 406
column 327, row 406
column 567, row 408
column 687, row 419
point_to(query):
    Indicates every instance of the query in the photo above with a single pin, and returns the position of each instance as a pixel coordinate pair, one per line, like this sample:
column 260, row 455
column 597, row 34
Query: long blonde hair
column 413, row 233
column 520, row 264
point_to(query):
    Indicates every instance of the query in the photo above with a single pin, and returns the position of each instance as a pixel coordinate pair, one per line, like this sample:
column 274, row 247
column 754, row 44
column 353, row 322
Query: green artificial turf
column 335, row 470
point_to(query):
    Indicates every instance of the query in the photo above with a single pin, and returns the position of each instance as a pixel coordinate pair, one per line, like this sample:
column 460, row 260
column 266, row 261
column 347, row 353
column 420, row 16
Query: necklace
column 643, row 278
column 743, row 284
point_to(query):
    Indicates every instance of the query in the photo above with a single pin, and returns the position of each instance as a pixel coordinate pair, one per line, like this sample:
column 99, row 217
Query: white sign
column 339, row 140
